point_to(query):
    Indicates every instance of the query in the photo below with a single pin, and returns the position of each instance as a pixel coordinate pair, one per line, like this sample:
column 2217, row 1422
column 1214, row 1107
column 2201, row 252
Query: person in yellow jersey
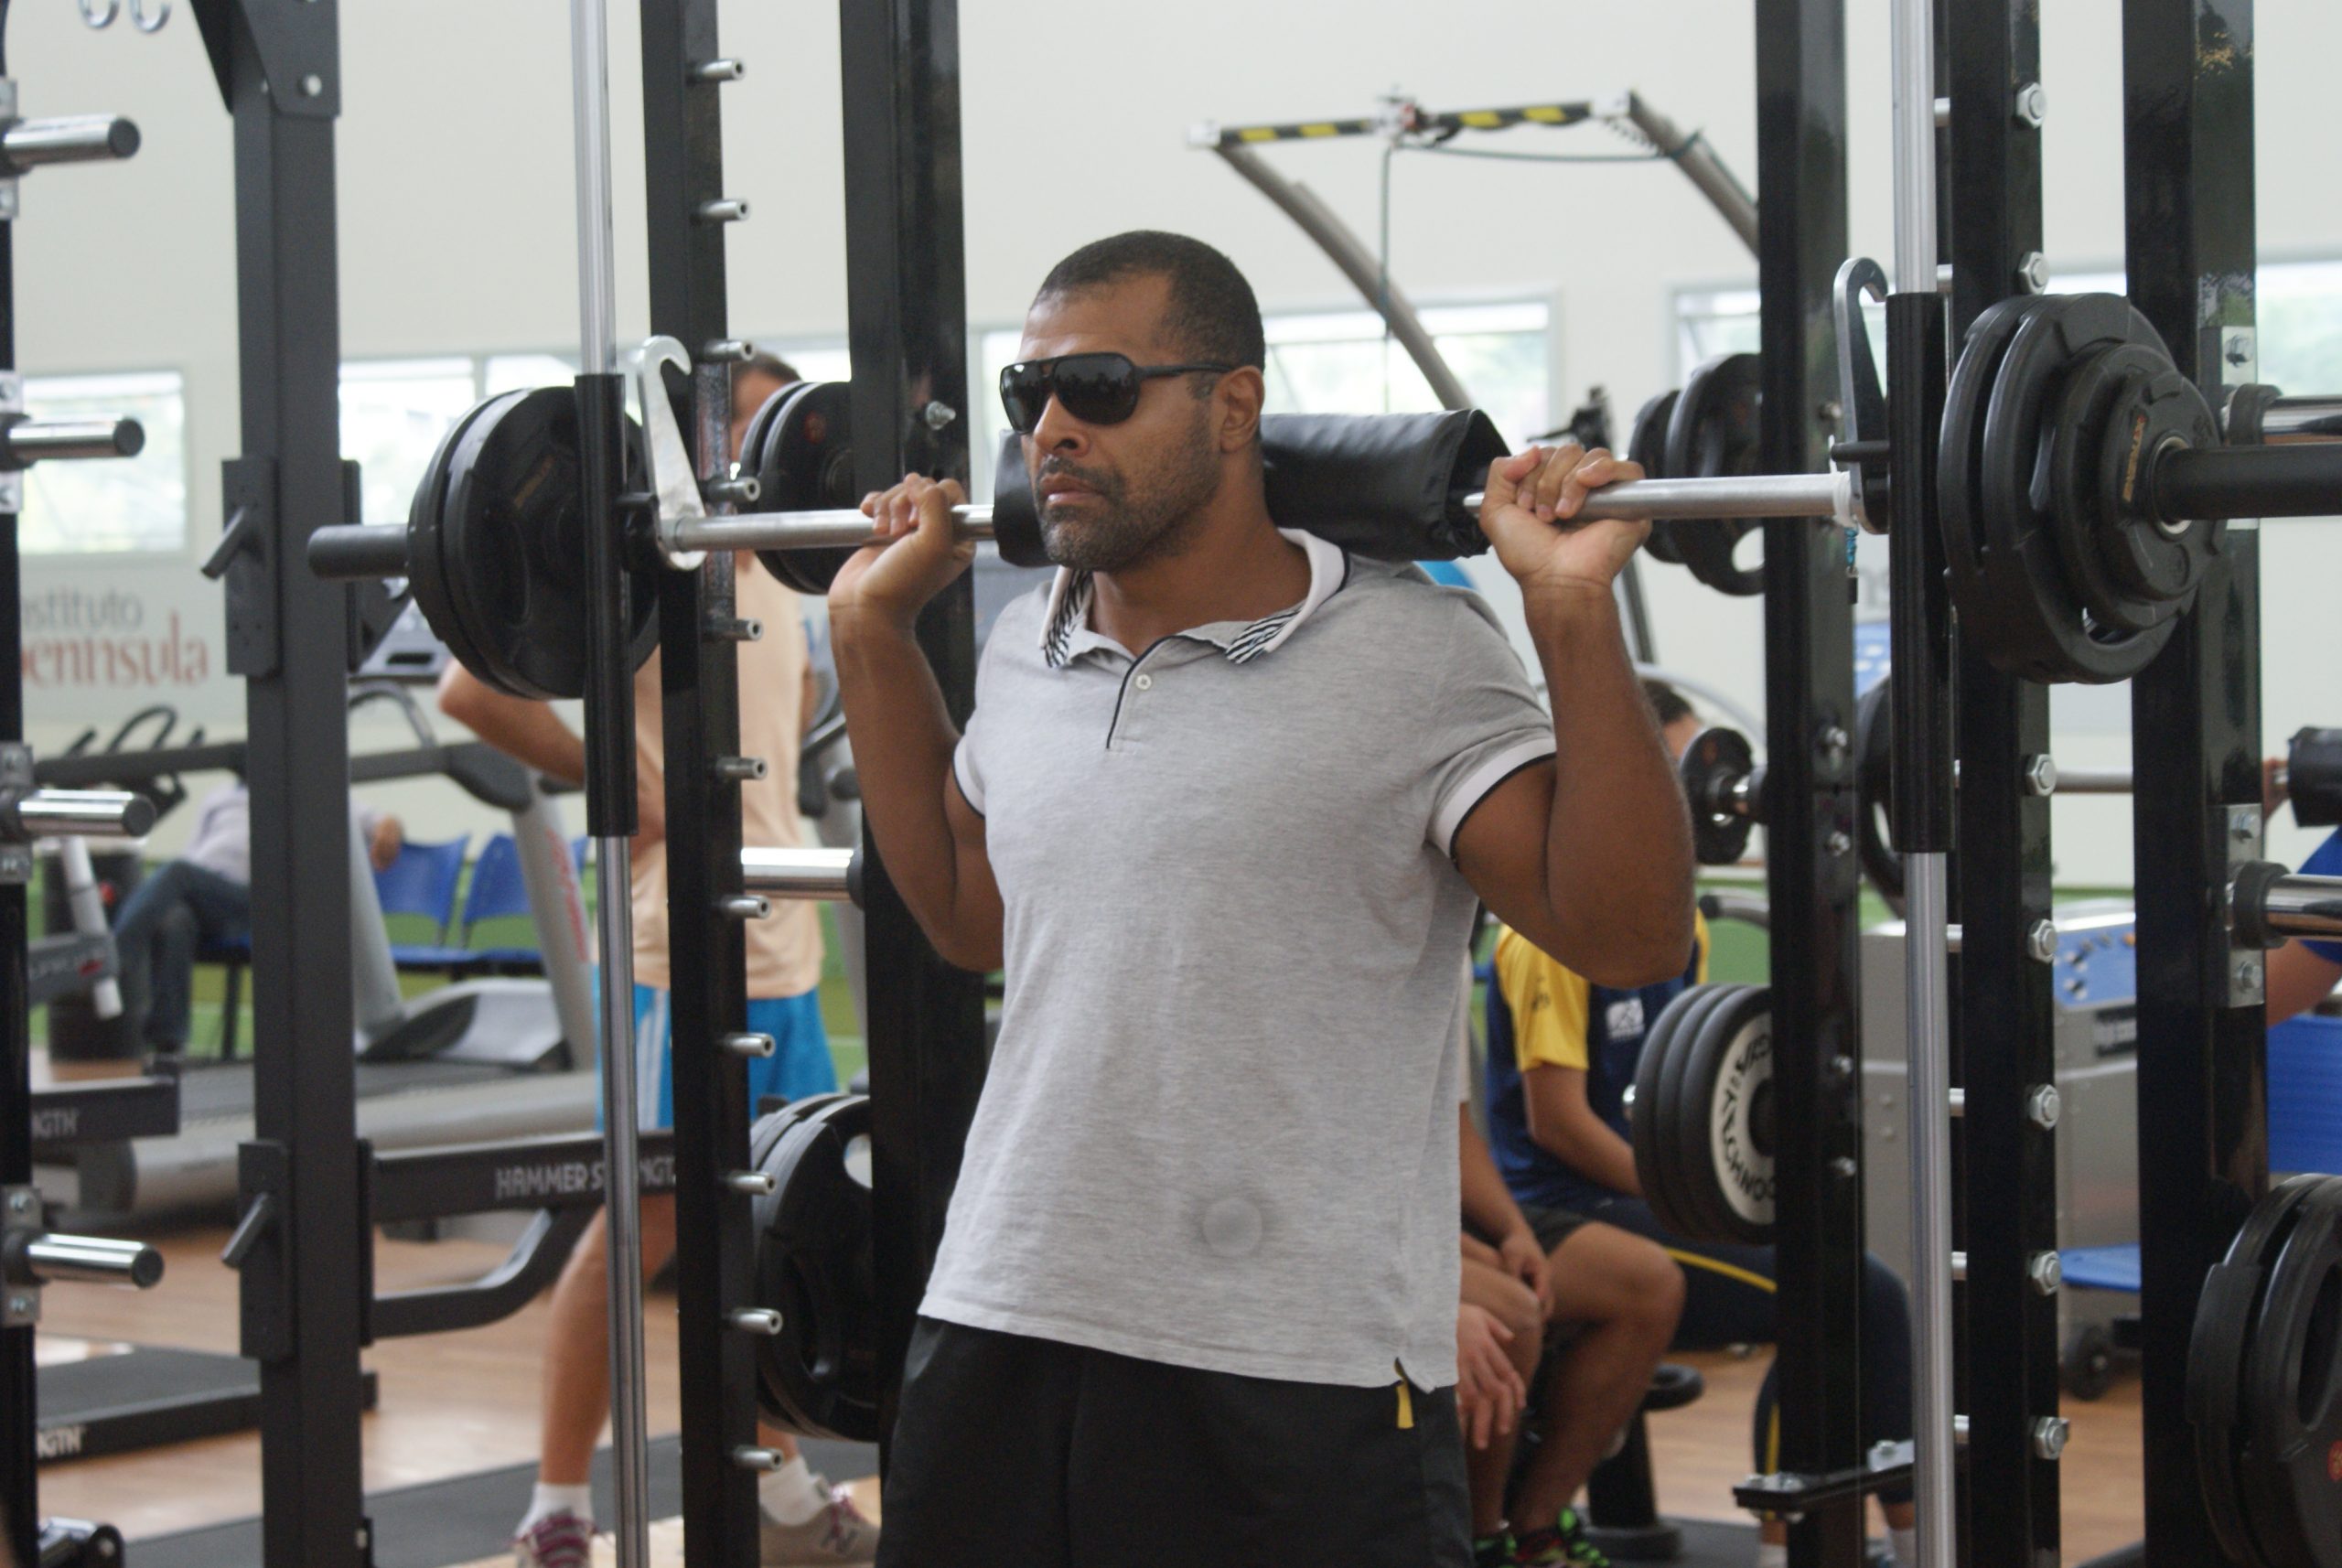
column 1561, row 1053
column 805, row 1519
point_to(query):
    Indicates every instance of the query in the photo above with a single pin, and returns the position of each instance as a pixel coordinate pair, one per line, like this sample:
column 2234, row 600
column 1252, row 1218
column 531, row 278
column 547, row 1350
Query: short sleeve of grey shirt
column 1220, row 1126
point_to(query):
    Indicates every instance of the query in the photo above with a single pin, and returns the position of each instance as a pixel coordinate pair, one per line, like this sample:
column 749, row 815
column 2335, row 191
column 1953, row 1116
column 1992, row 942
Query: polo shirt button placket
column 1143, row 681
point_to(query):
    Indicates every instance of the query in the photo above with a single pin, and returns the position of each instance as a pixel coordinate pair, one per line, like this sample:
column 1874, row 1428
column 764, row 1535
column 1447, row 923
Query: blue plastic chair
column 498, row 892
column 422, row 881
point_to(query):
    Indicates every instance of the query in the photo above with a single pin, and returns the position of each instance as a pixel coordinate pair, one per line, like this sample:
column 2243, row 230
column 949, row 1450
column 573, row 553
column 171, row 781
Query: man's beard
column 1123, row 522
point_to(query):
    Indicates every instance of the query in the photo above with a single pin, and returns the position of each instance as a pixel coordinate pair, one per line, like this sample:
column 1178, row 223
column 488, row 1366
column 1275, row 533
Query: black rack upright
column 305, row 1258
column 1809, row 709
column 2187, row 184
column 906, row 310
column 699, row 690
column 2006, row 1191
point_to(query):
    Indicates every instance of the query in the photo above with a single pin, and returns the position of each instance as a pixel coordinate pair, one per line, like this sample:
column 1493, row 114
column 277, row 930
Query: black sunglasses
column 1096, row 389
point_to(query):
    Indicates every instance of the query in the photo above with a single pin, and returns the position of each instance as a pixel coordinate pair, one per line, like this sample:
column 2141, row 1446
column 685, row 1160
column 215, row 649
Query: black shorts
column 1028, row 1453
column 1552, row 1226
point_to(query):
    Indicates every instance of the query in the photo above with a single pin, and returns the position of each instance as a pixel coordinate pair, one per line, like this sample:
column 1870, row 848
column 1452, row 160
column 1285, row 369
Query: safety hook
column 144, row 23
column 100, row 13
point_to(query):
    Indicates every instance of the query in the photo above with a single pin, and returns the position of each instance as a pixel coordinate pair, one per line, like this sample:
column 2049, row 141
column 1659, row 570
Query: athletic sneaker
column 1563, row 1545
column 558, row 1540
column 1492, row 1550
column 838, row 1533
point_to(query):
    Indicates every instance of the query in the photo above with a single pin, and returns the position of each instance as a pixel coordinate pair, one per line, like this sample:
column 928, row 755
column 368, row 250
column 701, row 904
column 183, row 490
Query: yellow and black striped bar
column 1416, row 122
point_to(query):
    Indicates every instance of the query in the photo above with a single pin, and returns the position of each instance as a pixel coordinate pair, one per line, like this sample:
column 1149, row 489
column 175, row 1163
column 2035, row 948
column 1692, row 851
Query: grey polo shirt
column 1219, row 1128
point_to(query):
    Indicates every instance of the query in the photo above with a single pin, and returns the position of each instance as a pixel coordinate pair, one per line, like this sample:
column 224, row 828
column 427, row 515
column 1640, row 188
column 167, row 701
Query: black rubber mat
column 226, row 1089
column 470, row 1517
column 144, row 1398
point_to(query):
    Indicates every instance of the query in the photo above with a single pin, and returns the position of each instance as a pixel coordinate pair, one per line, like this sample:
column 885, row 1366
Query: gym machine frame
column 1809, row 713
column 298, row 1245
column 2188, row 189
column 31, row 1257
column 907, row 310
column 2002, row 1337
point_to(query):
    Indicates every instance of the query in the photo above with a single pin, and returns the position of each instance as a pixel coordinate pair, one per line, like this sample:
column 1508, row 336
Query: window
column 110, row 505
column 393, row 415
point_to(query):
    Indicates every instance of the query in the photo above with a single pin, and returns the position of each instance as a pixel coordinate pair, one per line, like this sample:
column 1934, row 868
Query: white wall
column 456, row 205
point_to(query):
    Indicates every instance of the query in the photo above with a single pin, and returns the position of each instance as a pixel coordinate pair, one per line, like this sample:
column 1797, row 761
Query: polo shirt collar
column 1065, row 629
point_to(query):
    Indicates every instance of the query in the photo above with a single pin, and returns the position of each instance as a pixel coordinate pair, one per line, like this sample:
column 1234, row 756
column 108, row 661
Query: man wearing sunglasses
column 1222, row 814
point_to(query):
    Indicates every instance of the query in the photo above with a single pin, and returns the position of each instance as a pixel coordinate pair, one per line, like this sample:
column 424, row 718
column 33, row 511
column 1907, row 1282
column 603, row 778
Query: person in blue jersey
column 1561, row 1052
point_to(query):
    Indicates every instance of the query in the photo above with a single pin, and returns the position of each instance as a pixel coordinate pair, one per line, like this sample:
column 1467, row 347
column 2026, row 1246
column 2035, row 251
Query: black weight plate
column 1692, row 1170
column 1680, row 1211
column 1728, row 1097
column 1646, row 445
column 2130, row 404
column 2293, row 1392
column 805, row 463
column 815, row 1260
column 1714, row 761
column 1645, row 1121
column 1666, row 1189
column 1675, row 1203
column 424, row 572
column 2216, row 1357
column 512, row 548
column 1959, row 461
column 1873, row 785
column 1713, row 434
column 2054, row 635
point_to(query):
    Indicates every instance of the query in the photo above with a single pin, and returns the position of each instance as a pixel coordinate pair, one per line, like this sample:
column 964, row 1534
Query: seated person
column 1625, row 1293
column 1561, row 1052
column 205, row 896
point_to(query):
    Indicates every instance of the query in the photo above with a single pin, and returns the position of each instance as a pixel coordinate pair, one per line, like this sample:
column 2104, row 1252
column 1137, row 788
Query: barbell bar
column 68, row 139
column 58, row 813
column 51, row 1259
column 828, row 876
column 1743, row 496
column 350, row 552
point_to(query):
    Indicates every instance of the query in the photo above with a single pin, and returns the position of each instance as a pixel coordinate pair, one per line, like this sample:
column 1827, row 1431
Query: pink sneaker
column 558, row 1540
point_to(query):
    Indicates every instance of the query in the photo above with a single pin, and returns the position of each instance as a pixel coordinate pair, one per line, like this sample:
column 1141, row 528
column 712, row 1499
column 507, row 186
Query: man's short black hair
column 1667, row 702
column 763, row 364
column 1213, row 317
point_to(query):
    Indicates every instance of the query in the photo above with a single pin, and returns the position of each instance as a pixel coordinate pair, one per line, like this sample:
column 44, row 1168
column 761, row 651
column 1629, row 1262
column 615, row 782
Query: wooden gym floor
column 453, row 1403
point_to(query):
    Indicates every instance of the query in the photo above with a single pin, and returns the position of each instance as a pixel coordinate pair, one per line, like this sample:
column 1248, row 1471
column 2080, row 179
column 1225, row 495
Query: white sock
column 792, row 1494
column 547, row 1501
column 1904, row 1543
column 1772, row 1554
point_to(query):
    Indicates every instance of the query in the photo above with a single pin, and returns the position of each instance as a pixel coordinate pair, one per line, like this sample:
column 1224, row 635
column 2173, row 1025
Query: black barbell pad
column 1384, row 486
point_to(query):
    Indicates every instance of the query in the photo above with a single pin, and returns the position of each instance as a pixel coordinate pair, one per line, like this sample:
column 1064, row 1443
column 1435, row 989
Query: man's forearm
column 903, row 742
column 1618, row 839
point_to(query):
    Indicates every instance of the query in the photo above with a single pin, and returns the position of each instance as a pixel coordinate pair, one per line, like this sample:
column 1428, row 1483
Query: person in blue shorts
column 1561, row 1052
column 805, row 1519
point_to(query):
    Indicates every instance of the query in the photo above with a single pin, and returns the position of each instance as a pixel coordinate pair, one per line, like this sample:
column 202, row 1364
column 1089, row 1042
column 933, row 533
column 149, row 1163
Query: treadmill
column 480, row 1060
